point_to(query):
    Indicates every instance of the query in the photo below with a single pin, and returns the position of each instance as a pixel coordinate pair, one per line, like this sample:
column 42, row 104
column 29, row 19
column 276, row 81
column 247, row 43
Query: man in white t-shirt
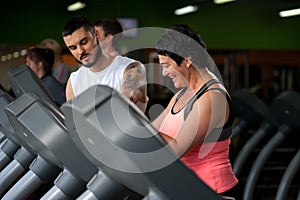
column 124, row 74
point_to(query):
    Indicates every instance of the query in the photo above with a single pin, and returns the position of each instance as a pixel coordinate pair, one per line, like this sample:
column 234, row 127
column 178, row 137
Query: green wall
column 240, row 25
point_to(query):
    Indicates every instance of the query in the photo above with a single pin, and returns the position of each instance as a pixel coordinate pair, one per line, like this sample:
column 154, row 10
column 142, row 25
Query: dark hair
column 44, row 55
column 110, row 26
column 76, row 23
column 181, row 41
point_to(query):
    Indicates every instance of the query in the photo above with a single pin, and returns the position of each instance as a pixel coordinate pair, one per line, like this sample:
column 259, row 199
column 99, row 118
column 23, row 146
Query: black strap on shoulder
column 202, row 90
column 180, row 94
column 221, row 134
column 218, row 134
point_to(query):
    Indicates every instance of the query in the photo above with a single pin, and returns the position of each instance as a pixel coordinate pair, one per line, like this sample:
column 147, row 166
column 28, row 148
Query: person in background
column 8, row 91
column 109, row 32
column 97, row 67
column 41, row 60
column 197, row 122
column 60, row 69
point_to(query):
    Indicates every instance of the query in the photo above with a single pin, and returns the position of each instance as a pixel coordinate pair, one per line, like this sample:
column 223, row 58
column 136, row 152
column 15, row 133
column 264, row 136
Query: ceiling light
column 76, row 6
column 23, row 52
column 3, row 58
column 16, row 54
column 9, row 56
column 222, row 1
column 289, row 13
column 186, row 10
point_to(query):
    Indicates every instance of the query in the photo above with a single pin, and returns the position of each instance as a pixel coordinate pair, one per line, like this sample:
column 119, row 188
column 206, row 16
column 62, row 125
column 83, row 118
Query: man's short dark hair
column 76, row 23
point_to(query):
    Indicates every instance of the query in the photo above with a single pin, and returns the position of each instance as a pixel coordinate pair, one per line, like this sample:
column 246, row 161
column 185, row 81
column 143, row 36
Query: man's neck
column 110, row 50
column 103, row 62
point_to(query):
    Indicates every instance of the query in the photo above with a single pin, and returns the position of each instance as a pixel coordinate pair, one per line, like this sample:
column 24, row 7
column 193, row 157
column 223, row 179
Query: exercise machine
column 117, row 138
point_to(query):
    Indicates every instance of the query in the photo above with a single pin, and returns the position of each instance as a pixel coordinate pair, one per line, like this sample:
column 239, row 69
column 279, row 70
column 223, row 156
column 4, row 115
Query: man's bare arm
column 135, row 84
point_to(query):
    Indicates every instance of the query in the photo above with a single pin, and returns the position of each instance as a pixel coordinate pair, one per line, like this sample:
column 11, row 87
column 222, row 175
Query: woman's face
column 178, row 74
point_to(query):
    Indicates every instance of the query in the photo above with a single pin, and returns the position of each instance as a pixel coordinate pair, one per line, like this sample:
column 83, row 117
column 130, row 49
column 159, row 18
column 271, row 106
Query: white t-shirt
column 112, row 76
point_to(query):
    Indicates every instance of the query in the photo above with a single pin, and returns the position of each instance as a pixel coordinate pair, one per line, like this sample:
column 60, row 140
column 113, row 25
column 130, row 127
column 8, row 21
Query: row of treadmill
column 99, row 146
column 265, row 146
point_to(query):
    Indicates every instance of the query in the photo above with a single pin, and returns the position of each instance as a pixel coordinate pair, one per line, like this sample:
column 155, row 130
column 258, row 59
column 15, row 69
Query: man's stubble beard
column 96, row 57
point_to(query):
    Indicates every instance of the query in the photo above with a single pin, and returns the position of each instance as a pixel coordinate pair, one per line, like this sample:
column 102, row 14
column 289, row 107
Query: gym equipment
column 14, row 160
column 23, row 80
column 2, row 137
column 22, row 158
column 286, row 109
column 119, row 139
column 268, row 126
column 249, row 109
column 16, row 168
column 288, row 177
column 9, row 145
column 41, row 126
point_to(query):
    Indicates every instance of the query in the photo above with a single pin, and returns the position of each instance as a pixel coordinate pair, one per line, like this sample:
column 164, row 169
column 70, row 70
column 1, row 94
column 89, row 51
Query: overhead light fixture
column 289, row 13
column 76, row 6
column 222, row 1
column 186, row 10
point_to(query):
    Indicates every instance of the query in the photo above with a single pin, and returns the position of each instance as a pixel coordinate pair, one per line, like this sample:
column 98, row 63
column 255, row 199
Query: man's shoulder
column 120, row 63
column 79, row 69
column 123, row 59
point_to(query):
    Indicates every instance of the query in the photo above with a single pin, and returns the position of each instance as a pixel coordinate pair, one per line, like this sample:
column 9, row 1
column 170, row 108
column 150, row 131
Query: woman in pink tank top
column 197, row 121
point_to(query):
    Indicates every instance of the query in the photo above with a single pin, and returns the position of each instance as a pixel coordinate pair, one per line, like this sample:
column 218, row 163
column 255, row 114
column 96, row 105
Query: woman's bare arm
column 209, row 112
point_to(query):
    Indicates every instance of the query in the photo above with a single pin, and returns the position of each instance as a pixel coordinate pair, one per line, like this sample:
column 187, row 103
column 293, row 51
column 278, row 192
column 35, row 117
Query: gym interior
column 257, row 54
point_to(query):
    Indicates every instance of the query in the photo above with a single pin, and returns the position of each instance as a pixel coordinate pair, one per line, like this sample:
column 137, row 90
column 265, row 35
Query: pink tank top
column 209, row 160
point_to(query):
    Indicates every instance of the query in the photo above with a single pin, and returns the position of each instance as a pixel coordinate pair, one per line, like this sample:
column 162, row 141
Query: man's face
column 83, row 46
